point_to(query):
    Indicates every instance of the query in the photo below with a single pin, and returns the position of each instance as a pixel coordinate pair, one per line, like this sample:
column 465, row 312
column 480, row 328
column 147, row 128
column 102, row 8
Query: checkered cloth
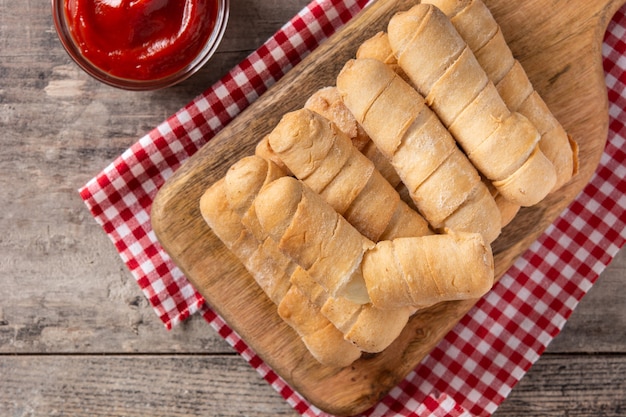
column 477, row 364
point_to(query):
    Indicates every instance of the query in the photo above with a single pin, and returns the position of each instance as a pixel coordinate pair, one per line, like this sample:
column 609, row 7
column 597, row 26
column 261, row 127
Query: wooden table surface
column 77, row 337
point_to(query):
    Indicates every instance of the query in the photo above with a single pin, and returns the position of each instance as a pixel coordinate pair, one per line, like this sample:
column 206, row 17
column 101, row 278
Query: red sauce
column 141, row 39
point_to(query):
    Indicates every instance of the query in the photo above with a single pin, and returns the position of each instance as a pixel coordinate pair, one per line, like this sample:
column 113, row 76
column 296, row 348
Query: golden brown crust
column 313, row 235
column 495, row 57
column 265, row 151
column 526, row 185
column 417, row 275
column 446, row 98
column 325, row 342
column 479, row 114
column 327, row 102
column 515, row 87
column 496, row 161
column 476, row 25
column 481, row 211
column 339, row 291
column 375, row 329
column 480, row 118
column 328, row 347
column 381, row 163
column 438, row 176
column 270, row 269
column 283, row 209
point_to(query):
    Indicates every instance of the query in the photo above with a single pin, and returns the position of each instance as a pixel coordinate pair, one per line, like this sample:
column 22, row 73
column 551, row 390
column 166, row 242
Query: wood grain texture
column 562, row 59
column 77, row 336
column 571, row 385
column 139, row 385
column 142, row 385
column 63, row 286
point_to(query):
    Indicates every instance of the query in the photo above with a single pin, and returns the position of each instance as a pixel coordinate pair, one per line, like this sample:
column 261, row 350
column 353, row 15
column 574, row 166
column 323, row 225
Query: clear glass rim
column 198, row 62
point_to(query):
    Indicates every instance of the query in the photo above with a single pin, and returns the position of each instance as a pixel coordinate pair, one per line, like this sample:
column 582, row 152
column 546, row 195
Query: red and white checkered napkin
column 475, row 367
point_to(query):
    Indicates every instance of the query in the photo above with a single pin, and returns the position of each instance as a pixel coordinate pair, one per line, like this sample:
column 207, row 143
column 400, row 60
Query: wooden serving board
column 559, row 44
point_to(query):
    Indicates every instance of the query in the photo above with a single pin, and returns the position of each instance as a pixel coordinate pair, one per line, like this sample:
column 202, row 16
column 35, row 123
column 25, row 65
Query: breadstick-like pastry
column 273, row 270
column 558, row 146
column 316, row 151
column 327, row 102
column 366, row 327
column 264, row 150
column 273, row 277
column 382, row 164
column 378, row 47
column 318, row 334
column 471, row 18
column 315, row 292
column 375, row 329
column 376, row 211
column 270, row 269
column 495, row 57
column 475, row 23
column 508, row 210
column 369, row 328
column 243, row 181
column 440, row 179
column 340, row 311
column 465, row 272
column 515, row 87
column 472, row 215
column 315, row 236
column 427, row 277
column 323, row 157
column 459, row 91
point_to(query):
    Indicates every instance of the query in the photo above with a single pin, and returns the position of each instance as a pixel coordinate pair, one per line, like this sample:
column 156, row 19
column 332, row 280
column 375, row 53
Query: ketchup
column 141, row 39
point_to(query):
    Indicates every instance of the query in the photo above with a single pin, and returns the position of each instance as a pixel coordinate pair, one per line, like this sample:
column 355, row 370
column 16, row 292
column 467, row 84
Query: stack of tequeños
column 383, row 194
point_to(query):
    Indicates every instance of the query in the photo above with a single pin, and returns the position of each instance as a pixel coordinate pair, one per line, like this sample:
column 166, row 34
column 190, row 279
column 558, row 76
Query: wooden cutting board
column 559, row 44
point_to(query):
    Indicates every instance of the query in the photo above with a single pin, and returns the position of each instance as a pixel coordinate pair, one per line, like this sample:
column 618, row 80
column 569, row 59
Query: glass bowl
column 69, row 42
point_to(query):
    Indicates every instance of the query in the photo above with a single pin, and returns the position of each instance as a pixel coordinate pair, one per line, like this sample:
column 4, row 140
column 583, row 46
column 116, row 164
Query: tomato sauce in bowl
column 140, row 44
